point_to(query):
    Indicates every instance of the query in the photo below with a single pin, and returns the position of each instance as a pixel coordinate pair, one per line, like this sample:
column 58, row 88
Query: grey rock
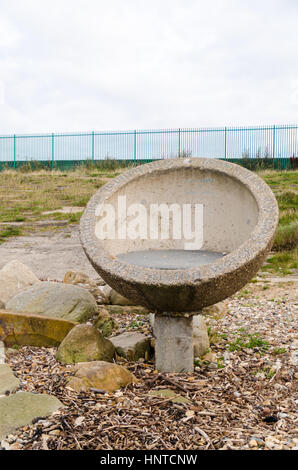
column 85, row 343
column 201, row 342
column 20, row 409
column 132, row 346
column 8, row 381
column 118, row 299
column 57, row 300
column 14, row 277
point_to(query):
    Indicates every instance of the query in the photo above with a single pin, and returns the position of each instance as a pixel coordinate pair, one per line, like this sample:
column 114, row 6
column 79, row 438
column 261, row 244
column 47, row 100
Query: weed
column 250, row 341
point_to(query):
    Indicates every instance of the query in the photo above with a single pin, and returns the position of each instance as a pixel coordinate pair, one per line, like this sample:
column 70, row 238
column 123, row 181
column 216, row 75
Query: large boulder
column 85, row 343
column 54, row 299
column 132, row 346
column 201, row 342
column 8, row 381
column 14, row 277
column 100, row 375
column 25, row 329
column 20, row 409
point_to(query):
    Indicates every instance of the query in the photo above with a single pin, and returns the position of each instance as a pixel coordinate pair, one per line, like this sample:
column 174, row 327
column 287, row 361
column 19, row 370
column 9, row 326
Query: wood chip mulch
column 245, row 399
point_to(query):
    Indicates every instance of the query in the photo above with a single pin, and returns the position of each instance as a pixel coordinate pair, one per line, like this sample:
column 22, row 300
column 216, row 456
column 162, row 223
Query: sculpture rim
column 249, row 254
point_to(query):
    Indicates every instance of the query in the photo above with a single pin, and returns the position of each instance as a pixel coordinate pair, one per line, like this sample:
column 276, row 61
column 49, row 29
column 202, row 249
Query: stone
column 2, row 305
column 14, row 277
column 8, row 381
column 100, row 375
column 22, row 408
column 201, row 342
column 118, row 299
column 85, row 343
column 105, row 323
column 121, row 310
column 173, row 344
column 2, row 353
column 76, row 277
column 132, row 346
column 209, row 357
column 24, row 329
column 217, row 310
column 168, row 393
column 54, row 299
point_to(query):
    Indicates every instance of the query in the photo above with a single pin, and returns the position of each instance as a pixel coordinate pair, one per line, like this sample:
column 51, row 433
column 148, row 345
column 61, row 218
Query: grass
column 24, row 197
column 284, row 259
column 247, row 340
column 9, row 232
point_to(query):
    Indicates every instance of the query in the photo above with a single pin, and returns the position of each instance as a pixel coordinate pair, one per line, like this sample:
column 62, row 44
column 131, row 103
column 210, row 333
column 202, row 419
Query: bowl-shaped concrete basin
column 145, row 250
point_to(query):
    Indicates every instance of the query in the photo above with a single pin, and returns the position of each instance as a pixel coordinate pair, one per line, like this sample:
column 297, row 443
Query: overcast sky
column 70, row 65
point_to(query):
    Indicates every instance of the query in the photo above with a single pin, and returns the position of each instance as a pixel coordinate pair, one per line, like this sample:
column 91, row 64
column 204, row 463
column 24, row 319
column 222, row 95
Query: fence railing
column 277, row 142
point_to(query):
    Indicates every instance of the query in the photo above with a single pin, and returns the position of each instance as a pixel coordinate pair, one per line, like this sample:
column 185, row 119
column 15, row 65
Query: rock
column 209, row 357
column 81, row 279
column 8, row 381
column 118, row 299
column 120, row 310
column 85, row 343
column 2, row 305
column 54, row 299
column 167, row 393
column 132, row 346
column 105, row 323
column 11, row 352
column 151, row 319
column 253, row 443
column 217, row 310
column 26, row 329
column 75, row 277
column 2, row 353
column 14, row 277
column 114, row 297
column 200, row 336
column 20, row 409
column 100, row 375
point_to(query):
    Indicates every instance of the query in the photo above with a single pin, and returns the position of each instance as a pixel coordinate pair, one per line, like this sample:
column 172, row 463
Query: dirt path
column 49, row 254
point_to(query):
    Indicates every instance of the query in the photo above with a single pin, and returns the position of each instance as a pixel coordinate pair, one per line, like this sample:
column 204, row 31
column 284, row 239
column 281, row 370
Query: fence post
column 53, row 151
column 135, row 146
column 179, row 143
column 14, row 151
column 225, row 143
column 93, row 154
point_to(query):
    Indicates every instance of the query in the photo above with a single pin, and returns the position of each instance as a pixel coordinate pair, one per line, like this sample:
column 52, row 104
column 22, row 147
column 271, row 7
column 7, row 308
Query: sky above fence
column 76, row 65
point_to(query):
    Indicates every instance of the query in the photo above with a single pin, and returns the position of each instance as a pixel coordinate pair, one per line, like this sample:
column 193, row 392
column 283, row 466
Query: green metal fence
column 275, row 146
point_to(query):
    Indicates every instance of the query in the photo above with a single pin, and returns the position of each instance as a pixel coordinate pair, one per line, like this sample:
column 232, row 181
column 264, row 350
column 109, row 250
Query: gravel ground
column 246, row 398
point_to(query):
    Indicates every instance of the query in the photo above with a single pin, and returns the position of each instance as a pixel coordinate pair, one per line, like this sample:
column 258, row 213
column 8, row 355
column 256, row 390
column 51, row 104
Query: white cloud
column 76, row 65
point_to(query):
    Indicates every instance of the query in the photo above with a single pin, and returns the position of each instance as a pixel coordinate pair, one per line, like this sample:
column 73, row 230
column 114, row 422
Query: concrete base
column 174, row 343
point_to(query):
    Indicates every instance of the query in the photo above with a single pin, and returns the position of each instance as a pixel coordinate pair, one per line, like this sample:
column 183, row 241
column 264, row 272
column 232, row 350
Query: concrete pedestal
column 174, row 343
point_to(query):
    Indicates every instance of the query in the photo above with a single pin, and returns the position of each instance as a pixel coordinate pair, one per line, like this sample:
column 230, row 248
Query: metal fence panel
column 231, row 143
